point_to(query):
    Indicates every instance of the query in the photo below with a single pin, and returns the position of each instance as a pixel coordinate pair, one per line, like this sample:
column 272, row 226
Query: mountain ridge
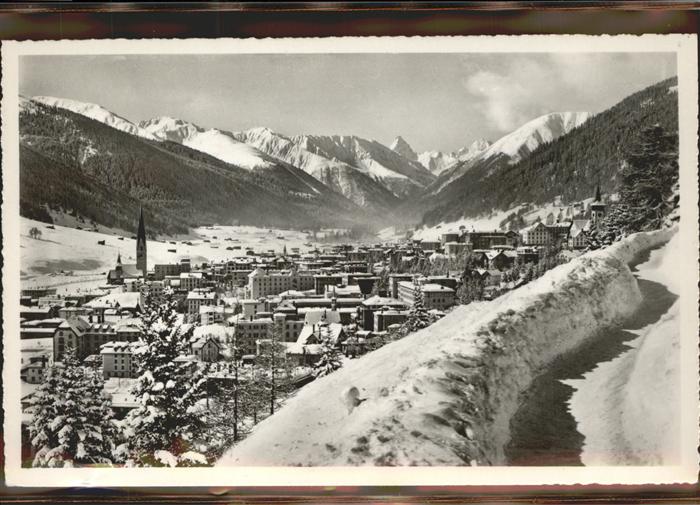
column 178, row 186
column 570, row 166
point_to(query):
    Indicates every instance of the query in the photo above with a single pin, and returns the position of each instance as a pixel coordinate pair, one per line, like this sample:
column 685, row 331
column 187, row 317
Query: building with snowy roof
column 197, row 299
column 206, row 348
column 435, row 296
column 118, row 359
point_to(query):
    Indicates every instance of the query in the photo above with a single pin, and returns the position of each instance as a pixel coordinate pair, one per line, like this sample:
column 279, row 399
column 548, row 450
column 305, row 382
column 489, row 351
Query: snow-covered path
column 628, row 408
column 543, row 430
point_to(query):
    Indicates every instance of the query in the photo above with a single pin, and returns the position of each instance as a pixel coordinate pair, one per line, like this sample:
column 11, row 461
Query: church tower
column 141, row 262
column 598, row 208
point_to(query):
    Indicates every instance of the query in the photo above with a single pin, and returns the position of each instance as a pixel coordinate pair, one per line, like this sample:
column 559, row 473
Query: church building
column 122, row 272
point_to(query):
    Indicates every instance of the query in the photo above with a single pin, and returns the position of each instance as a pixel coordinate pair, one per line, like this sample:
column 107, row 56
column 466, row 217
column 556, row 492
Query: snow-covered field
column 87, row 262
column 617, row 405
column 486, row 222
column 445, row 395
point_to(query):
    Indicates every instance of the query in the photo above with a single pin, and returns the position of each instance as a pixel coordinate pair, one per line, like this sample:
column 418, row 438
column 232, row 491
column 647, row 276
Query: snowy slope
column 445, row 395
column 341, row 177
column 337, row 161
column 531, row 135
column 27, row 105
column 400, row 146
column 616, row 404
column 492, row 220
column 216, row 143
column 512, row 147
column 78, row 251
column 475, row 149
column 96, row 112
column 438, row 162
column 398, row 174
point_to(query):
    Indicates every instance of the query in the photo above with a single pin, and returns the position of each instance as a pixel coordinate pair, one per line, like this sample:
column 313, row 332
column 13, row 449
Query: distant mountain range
column 82, row 158
column 73, row 163
column 437, row 162
column 558, row 155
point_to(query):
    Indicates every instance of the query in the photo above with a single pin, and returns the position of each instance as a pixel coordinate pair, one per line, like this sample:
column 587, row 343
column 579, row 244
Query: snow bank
column 616, row 405
column 445, row 395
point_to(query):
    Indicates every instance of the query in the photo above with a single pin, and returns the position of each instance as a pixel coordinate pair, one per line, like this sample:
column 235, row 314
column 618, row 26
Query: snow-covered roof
column 432, row 287
column 382, row 300
column 120, row 347
column 316, row 316
column 129, row 299
column 199, row 295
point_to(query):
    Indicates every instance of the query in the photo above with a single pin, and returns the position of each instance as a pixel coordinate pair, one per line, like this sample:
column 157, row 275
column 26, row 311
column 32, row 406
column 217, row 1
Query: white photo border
column 684, row 46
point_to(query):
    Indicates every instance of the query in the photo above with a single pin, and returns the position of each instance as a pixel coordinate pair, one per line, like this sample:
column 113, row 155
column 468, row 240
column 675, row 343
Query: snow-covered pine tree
column 72, row 421
column 418, row 316
column 167, row 426
column 648, row 178
column 233, row 403
column 275, row 369
column 329, row 361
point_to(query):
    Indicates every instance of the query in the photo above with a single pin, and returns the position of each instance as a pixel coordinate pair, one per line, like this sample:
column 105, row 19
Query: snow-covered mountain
column 217, row 143
column 339, row 176
column 436, row 161
column 510, row 148
column 168, row 128
column 400, row 175
column 544, row 129
column 96, row 112
column 179, row 186
column 475, row 149
column 402, row 147
column 347, row 164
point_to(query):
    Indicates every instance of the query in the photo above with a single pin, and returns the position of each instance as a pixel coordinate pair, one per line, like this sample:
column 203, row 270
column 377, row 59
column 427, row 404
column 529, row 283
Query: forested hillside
column 79, row 165
column 570, row 166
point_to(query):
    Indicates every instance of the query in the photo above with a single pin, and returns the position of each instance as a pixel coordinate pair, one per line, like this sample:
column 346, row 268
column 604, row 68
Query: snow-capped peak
column 259, row 130
column 216, row 143
column 169, row 128
column 96, row 112
column 474, row 149
column 400, row 146
column 26, row 104
column 531, row 135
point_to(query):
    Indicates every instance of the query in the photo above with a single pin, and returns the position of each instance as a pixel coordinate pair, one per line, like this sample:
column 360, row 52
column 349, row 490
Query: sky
column 434, row 101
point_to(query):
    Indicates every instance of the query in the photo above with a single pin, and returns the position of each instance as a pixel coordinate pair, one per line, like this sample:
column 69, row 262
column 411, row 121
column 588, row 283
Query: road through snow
column 595, row 405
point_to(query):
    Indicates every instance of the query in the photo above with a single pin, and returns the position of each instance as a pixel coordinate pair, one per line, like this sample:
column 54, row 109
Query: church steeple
column 141, row 257
column 598, row 208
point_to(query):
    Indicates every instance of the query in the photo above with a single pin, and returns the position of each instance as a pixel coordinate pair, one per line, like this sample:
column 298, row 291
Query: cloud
column 511, row 90
column 513, row 95
column 502, row 98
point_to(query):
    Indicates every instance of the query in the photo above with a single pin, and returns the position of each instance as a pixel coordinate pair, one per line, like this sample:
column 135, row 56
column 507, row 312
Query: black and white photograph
column 472, row 253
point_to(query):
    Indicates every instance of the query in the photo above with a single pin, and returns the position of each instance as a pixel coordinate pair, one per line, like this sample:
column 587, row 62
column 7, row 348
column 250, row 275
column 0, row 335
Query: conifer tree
column 275, row 368
column 168, row 424
column 329, row 361
column 418, row 316
column 648, row 178
column 72, row 421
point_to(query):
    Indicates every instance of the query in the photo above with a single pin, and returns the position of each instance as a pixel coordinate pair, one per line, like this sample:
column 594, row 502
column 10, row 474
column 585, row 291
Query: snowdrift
column 445, row 395
column 616, row 405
